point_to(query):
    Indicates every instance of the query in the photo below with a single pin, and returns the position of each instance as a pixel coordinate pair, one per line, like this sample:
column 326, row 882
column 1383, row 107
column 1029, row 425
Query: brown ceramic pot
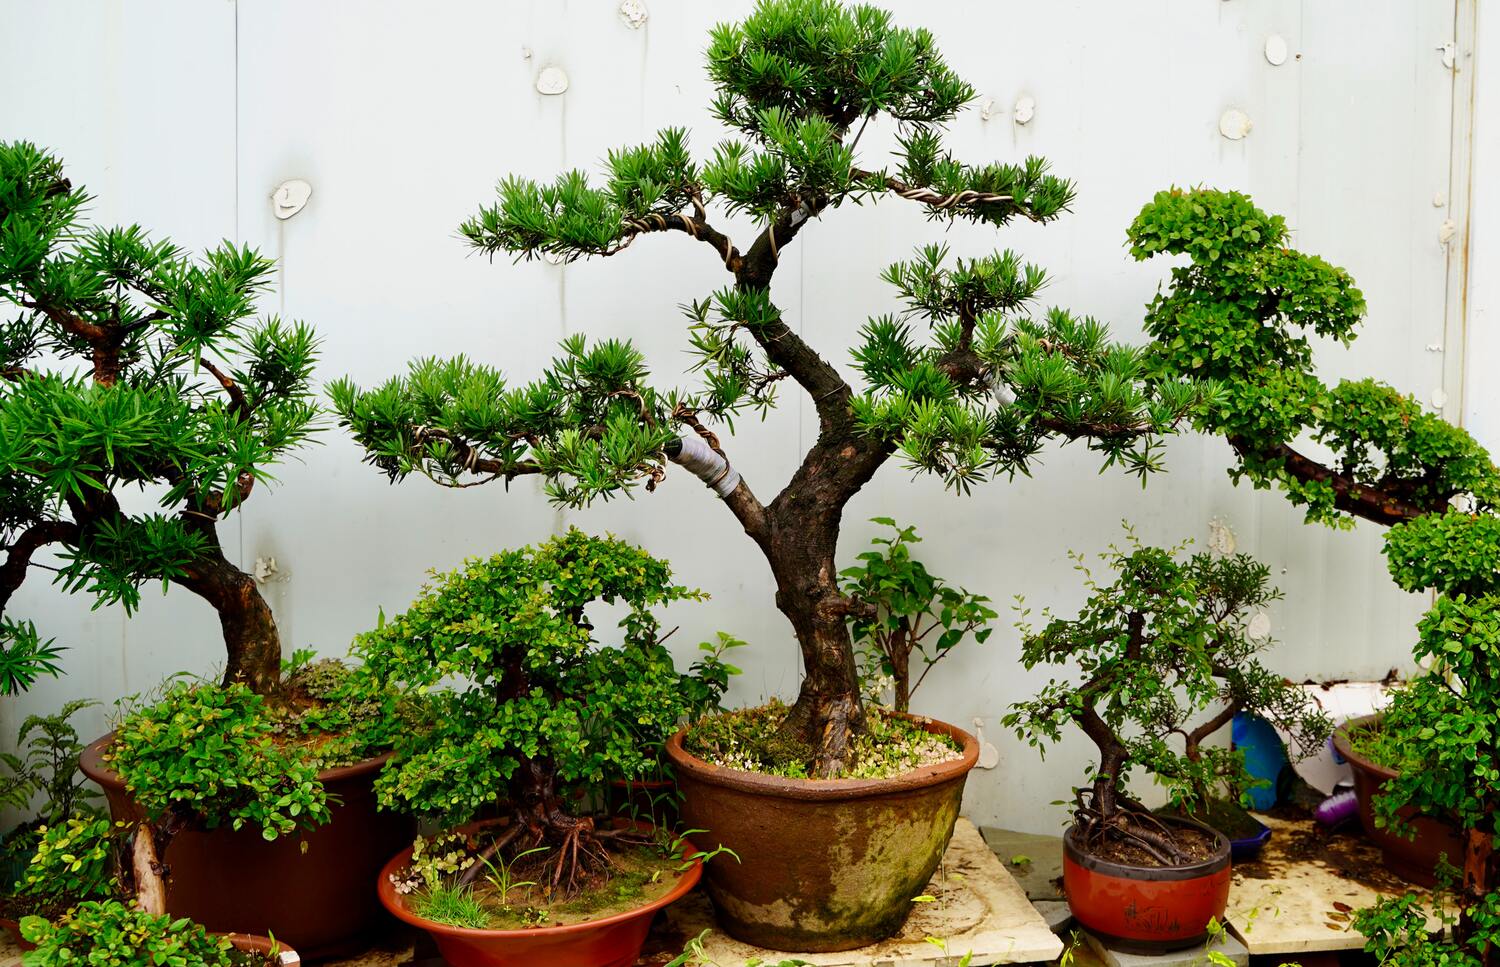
column 247, row 943
column 1416, row 859
column 310, row 890
column 827, row 864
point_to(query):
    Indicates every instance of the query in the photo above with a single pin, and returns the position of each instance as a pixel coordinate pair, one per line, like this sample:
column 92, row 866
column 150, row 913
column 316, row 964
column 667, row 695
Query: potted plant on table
column 1242, row 311
column 1162, row 654
column 960, row 384
column 542, row 704
column 129, row 364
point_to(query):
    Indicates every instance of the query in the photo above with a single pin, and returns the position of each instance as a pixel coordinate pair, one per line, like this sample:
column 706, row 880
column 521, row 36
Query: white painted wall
column 184, row 115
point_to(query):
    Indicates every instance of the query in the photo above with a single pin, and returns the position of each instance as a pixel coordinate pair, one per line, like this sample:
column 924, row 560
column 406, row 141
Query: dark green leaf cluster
column 1398, row 930
column 989, row 387
column 1242, row 312
column 211, row 754
column 1161, row 653
column 75, row 859
column 590, row 424
column 113, row 934
column 25, row 656
column 46, row 762
column 912, row 612
column 539, row 688
column 129, row 363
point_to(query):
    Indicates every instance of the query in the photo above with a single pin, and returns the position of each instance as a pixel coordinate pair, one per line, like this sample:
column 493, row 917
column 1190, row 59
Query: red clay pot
column 608, row 942
column 824, row 864
column 1146, row 909
column 1416, row 859
column 14, row 929
column 310, row 890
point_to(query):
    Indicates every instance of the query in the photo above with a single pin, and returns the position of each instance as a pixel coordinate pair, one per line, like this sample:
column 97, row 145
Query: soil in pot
column 824, row 864
column 1374, row 764
column 1135, row 903
column 509, row 917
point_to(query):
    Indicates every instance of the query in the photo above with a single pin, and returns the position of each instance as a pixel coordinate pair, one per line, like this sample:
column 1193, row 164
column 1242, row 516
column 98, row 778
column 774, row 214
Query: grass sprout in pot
column 1163, row 659
column 547, row 703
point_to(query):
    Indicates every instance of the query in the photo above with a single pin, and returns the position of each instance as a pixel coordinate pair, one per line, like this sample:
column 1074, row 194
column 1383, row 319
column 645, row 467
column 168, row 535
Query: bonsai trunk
column 899, row 654
column 251, row 641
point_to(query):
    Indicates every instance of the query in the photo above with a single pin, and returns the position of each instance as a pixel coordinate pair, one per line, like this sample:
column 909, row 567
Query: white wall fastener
column 1234, row 124
column 290, row 197
column 552, row 80
column 634, row 13
column 1025, row 108
column 1276, row 50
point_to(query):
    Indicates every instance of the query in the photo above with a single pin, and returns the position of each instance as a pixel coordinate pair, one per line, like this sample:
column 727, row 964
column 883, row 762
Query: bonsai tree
column 1163, row 661
column 1241, row 310
column 129, row 364
column 906, row 606
column 111, row 933
column 542, row 703
column 960, row 382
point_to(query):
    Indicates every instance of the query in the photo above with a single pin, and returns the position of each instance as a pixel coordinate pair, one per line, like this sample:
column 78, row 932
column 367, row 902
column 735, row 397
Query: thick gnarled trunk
column 251, row 641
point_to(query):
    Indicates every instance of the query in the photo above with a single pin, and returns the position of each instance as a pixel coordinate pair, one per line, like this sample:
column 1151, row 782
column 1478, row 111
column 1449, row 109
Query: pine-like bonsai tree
column 972, row 390
column 1241, row 311
column 173, row 390
column 543, row 706
column 1163, row 660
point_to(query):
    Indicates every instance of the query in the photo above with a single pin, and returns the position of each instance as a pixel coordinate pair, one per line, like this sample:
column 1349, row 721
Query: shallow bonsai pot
column 827, row 864
column 1415, row 859
column 1246, row 848
column 613, row 941
column 1140, row 909
column 248, row 943
column 310, row 890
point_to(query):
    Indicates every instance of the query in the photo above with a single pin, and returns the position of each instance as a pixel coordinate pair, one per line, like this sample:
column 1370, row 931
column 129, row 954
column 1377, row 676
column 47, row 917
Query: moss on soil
column 747, row 740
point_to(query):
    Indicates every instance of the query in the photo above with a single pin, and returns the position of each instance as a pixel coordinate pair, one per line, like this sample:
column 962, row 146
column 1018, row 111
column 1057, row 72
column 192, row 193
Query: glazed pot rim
column 822, row 790
column 1346, row 749
column 1206, row 867
column 392, row 902
column 91, row 761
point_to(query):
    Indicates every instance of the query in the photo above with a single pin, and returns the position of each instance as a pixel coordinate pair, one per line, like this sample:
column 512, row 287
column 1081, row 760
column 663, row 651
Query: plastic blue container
column 1265, row 757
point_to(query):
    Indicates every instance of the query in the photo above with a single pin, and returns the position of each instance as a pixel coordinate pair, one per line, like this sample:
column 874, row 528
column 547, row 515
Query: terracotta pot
column 827, row 864
column 1144, row 909
column 310, row 889
column 13, row 928
column 1416, row 859
column 613, row 941
column 249, row 943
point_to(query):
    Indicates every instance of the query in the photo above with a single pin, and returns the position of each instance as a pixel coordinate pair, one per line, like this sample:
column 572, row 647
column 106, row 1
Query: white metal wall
column 185, row 115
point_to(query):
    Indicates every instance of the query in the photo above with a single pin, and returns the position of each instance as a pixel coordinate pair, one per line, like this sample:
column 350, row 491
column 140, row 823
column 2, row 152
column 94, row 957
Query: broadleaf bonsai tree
column 1161, row 659
column 543, row 704
column 130, row 365
column 1242, row 310
column 962, row 382
column 912, row 613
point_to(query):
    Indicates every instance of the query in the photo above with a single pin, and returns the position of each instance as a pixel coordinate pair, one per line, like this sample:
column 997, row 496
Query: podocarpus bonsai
column 173, row 388
column 908, row 604
column 1164, row 660
column 975, row 395
column 544, row 704
column 1241, row 311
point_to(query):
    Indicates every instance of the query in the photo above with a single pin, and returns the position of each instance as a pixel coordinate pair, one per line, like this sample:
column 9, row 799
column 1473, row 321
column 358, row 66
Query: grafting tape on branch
column 1001, row 390
column 694, row 453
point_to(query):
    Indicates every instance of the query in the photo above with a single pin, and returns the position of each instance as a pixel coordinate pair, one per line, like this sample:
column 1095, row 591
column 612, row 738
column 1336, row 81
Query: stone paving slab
column 1034, row 859
column 1187, row 957
column 980, row 910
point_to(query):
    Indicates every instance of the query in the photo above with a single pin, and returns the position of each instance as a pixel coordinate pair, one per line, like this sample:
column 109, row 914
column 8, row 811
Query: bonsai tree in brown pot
column 128, row 365
column 1242, row 310
column 1163, row 661
column 960, row 383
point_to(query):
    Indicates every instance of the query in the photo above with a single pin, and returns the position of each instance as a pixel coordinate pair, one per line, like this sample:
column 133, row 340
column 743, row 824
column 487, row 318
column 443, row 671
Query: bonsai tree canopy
column 1242, row 311
column 961, row 382
column 163, row 383
column 544, row 703
column 1164, row 657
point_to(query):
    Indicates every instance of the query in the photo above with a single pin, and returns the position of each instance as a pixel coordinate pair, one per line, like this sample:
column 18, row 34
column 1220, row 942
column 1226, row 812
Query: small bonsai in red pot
column 112, row 932
column 1163, row 653
column 543, row 705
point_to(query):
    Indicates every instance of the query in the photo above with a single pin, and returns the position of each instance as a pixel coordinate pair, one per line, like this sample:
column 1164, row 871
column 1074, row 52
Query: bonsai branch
column 18, row 555
column 1350, row 496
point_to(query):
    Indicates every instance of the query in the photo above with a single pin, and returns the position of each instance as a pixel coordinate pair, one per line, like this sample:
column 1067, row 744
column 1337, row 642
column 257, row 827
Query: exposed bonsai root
column 827, row 725
column 1127, row 821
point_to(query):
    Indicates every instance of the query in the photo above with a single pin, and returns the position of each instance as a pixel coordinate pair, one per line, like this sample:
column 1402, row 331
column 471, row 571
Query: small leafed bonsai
column 542, row 706
column 1163, row 660
column 960, row 382
column 911, row 613
column 128, row 365
column 1242, row 311
column 115, row 934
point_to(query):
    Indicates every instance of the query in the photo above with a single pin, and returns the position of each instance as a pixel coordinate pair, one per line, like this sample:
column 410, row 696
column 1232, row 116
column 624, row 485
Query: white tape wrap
column 696, row 455
column 1001, row 390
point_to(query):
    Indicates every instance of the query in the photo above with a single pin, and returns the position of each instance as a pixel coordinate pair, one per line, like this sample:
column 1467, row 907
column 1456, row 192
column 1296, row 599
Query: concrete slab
column 1034, row 860
column 1057, row 913
column 1297, row 896
column 1189, row 957
column 980, row 910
